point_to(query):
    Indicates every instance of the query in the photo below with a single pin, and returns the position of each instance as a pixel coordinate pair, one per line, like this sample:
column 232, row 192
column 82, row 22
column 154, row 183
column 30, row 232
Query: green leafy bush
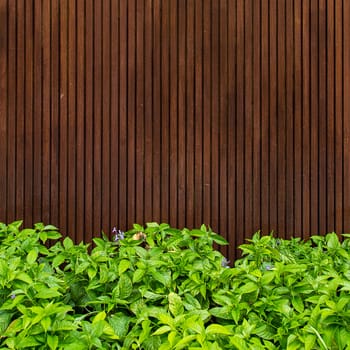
column 162, row 288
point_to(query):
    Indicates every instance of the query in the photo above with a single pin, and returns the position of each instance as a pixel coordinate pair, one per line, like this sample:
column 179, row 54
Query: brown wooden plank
column 173, row 121
column 165, row 89
column 97, row 123
column 256, row 138
column 240, row 120
column 232, row 95
column 298, row 149
column 123, row 30
column 322, row 105
column 46, row 112
column 330, row 117
column 248, row 115
column 157, row 109
column 215, row 117
column 151, row 129
column 37, row 112
column 106, row 115
column 63, row 108
column 223, row 124
column 264, row 137
column 273, row 118
column 89, row 130
column 131, row 112
column 80, row 119
column 28, row 121
column 190, row 113
column 54, row 114
column 3, row 106
column 281, row 118
column 306, row 117
column 114, row 150
column 181, row 115
column 346, row 94
column 20, row 40
column 207, row 183
column 289, row 120
column 314, row 126
column 140, row 117
column 72, row 52
column 198, row 157
column 339, row 116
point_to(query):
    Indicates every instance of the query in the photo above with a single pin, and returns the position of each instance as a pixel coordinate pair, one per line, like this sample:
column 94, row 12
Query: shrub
column 162, row 288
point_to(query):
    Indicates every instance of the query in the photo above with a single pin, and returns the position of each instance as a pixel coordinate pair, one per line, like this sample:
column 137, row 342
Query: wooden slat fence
column 233, row 113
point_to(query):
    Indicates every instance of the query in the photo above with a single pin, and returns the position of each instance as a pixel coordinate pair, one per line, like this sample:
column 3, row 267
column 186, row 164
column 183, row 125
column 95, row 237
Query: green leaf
column 185, row 341
column 297, row 303
column 22, row 276
column 123, row 266
column 50, row 228
column 48, row 293
column 52, row 341
column 100, row 316
column 125, row 286
column 218, row 329
column 175, row 304
column 32, row 256
column 138, row 275
column 120, row 324
column 248, row 288
column 68, row 243
column 162, row 330
column 218, row 239
column 58, row 260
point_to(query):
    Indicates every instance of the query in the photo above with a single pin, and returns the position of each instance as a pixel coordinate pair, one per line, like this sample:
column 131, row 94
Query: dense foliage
column 162, row 288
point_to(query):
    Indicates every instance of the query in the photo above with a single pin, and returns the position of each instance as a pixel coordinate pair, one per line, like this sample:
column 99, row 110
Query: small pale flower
column 13, row 296
column 225, row 263
column 119, row 235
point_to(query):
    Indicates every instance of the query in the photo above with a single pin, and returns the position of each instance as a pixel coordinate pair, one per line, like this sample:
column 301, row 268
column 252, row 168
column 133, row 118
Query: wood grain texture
column 231, row 113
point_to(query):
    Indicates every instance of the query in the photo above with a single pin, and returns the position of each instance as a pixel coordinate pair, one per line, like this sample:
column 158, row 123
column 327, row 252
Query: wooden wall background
column 233, row 113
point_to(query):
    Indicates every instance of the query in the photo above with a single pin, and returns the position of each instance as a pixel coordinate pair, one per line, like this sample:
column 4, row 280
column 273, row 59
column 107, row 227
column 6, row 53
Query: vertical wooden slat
column 156, row 111
column 71, row 204
column 346, row 114
column 190, row 113
column 20, row 98
column 273, row 116
column 123, row 165
column 223, row 121
column 248, row 127
column 240, row 123
column 105, row 116
column 80, row 118
column 165, row 111
column 28, row 115
column 151, row 39
column 232, row 126
column 281, row 117
column 330, row 44
column 63, row 122
column 54, row 117
column 46, row 113
column 139, row 113
column 114, row 137
column 339, row 115
column 306, row 208
column 89, row 129
column 97, row 123
column 131, row 113
column 256, row 138
column 314, row 113
column 207, row 183
column 181, row 102
column 289, row 133
column 173, row 122
column 215, row 117
column 264, row 136
column 4, row 13
column 198, row 158
column 298, row 149
column 37, row 112
column 322, row 103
